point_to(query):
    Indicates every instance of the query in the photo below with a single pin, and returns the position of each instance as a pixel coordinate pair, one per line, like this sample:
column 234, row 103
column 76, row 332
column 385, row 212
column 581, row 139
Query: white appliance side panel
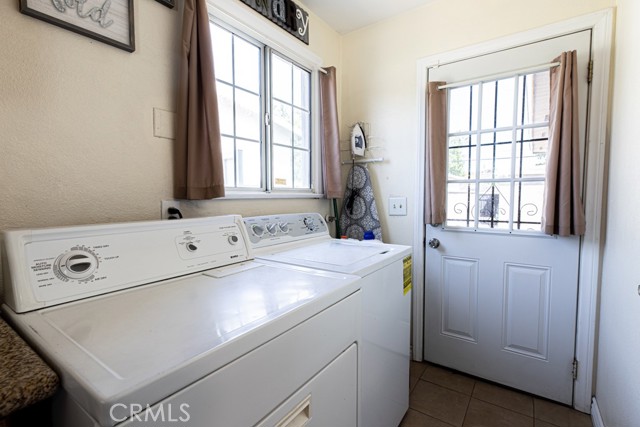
column 386, row 329
column 329, row 399
column 243, row 392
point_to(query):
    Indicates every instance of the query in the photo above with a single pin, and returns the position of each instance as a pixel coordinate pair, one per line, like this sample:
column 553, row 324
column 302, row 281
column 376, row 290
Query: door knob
column 434, row 243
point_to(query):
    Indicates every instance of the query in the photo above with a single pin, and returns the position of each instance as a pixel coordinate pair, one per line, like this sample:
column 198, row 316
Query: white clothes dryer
column 304, row 240
column 172, row 323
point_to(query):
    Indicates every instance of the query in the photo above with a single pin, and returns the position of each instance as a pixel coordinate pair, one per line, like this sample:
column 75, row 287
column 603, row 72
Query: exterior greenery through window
column 264, row 101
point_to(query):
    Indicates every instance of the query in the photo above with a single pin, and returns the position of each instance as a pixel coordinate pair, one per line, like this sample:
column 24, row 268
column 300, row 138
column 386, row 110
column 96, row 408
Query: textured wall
column 76, row 122
column 379, row 78
column 618, row 370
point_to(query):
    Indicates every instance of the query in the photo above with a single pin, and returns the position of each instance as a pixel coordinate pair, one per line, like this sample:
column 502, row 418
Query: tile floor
column 443, row 398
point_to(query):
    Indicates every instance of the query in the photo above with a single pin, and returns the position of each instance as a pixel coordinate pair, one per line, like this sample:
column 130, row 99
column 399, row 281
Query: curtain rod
column 500, row 75
column 322, row 70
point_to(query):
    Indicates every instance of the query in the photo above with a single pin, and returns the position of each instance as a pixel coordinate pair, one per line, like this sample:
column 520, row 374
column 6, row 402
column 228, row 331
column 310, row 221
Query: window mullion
column 476, row 209
column 514, row 136
column 233, row 108
column 267, row 128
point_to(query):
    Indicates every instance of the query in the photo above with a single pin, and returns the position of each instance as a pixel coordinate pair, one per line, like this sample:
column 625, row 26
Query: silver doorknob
column 434, row 243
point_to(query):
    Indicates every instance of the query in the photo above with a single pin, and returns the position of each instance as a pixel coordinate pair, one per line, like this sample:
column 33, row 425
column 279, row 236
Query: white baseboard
column 596, row 418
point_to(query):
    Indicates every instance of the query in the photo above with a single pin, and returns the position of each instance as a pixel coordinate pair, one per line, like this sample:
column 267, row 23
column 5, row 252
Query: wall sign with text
column 286, row 14
column 108, row 21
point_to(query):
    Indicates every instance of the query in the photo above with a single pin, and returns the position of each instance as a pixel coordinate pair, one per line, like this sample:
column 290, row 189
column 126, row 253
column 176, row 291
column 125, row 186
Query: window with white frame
column 498, row 137
column 264, row 101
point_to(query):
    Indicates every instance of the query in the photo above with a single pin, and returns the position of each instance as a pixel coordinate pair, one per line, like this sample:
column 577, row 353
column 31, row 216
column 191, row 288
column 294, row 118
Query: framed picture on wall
column 169, row 3
column 108, row 21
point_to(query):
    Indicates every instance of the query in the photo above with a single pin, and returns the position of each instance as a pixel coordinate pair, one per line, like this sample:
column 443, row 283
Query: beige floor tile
column 449, row 379
column 416, row 371
column 559, row 415
column 418, row 419
column 504, row 397
column 483, row 414
column 439, row 402
column 417, row 368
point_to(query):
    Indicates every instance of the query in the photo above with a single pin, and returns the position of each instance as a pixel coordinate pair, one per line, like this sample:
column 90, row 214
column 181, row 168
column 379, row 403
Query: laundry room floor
column 443, row 398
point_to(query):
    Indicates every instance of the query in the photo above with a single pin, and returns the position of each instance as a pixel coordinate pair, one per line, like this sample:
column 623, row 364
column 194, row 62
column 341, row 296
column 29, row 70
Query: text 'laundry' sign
column 286, row 14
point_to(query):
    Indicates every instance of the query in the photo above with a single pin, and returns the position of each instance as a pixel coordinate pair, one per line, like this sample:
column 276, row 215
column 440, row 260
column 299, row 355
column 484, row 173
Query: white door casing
column 590, row 253
column 501, row 304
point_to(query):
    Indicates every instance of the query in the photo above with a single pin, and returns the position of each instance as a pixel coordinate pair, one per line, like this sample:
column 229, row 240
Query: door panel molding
column 460, row 298
column 601, row 23
column 525, row 328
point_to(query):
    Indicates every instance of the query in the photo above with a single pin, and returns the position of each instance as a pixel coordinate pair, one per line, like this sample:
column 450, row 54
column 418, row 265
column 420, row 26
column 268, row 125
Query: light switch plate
column 397, row 206
column 164, row 124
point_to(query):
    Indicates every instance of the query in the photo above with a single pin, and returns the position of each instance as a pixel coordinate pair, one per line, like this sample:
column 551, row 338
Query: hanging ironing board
column 359, row 210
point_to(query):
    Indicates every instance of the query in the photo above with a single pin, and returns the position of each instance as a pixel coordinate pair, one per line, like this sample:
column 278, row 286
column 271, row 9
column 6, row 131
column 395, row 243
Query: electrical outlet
column 397, row 206
column 165, row 205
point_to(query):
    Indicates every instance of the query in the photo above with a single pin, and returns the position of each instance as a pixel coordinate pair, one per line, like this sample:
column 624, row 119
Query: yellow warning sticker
column 406, row 274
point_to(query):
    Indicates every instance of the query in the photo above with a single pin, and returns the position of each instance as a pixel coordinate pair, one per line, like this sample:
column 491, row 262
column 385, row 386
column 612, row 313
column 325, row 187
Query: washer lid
column 344, row 256
column 142, row 345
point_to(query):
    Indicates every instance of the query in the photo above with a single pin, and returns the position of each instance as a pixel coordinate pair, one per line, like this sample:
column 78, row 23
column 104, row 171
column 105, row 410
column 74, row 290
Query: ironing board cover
column 359, row 211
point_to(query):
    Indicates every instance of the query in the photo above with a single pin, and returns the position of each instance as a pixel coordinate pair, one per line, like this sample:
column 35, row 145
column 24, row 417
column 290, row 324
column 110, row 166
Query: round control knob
column 257, row 230
column 233, row 239
column 191, row 247
column 284, row 227
column 77, row 264
column 271, row 229
column 309, row 223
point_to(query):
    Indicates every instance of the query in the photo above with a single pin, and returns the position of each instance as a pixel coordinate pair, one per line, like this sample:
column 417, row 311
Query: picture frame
column 169, row 3
column 107, row 21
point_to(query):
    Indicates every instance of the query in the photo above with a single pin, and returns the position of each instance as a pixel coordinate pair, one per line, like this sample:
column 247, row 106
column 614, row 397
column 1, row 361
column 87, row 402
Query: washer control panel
column 50, row 266
column 276, row 229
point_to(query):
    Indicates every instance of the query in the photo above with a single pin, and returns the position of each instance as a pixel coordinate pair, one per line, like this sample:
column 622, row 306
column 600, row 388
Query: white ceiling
column 345, row 16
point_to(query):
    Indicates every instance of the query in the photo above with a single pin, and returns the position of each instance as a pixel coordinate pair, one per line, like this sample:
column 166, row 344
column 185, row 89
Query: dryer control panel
column 50, row 266
column 277, row 229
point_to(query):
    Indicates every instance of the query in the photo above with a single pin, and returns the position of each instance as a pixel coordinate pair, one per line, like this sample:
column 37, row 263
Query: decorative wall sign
column 286, row 14
column 108, row 21
column 169, row 3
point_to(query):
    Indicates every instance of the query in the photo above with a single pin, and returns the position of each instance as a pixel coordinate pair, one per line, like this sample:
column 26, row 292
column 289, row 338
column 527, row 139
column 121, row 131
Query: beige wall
column 76, row 122
column 618, row 370
column 379, row 78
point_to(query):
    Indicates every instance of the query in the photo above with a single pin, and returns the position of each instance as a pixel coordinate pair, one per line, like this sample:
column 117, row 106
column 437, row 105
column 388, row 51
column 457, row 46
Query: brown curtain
column 436, row 155
column 563, row 213
column 332, row 176
column 198, row 170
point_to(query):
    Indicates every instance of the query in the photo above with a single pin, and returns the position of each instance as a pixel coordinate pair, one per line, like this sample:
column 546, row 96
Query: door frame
column 601, row 24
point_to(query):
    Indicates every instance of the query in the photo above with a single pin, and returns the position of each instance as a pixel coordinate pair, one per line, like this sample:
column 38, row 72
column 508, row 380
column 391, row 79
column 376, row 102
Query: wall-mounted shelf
column 372, row 160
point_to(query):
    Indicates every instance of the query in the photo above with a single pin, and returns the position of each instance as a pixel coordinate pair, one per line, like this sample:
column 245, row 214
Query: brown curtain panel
column 198, row 170
column 563, row 213
column 436, row 155
column 332, row 176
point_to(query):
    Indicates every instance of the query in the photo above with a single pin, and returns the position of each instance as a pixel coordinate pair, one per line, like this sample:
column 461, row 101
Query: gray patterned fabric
column 359, row 211
column 24, row 378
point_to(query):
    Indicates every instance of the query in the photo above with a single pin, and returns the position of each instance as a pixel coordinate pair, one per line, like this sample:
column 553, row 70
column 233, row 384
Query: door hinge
column 590, row 71
column 574, row 369
column 267, row 119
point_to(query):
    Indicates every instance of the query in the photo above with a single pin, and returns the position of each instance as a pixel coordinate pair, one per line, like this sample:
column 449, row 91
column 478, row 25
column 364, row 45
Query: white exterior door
column 500, row 297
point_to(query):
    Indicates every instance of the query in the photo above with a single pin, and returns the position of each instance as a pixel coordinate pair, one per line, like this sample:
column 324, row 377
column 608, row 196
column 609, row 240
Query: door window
column 497, row 146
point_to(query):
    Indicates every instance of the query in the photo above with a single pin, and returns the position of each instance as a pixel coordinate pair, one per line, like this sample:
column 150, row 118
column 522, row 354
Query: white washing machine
column 172, row 323
column 304, row 240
